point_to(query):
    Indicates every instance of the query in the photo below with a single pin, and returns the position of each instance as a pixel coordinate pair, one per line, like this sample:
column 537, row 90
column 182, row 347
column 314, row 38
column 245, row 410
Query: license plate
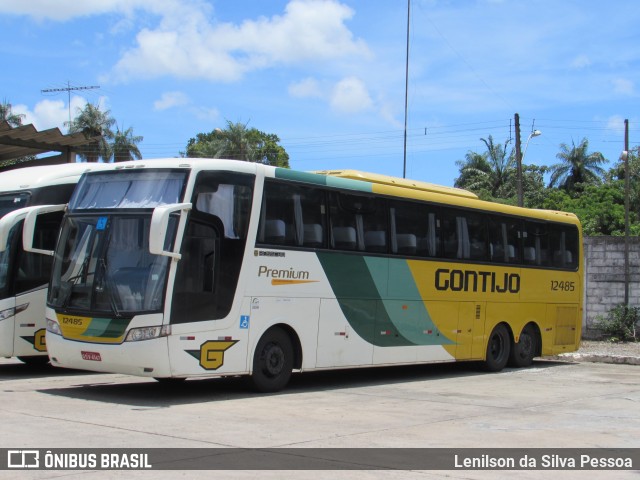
column 93, row 356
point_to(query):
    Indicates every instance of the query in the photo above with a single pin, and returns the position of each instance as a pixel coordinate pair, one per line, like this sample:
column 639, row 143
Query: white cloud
column 581, row 61
column 623, row 86
column 615, row 124
column 350, row 95
column 54, row 113
column 307, row 88
column 170, row 100
column 187, row 44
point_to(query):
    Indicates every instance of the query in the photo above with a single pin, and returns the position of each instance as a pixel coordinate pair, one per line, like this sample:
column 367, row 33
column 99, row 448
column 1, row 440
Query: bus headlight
column 53, row 327
column 147, row 333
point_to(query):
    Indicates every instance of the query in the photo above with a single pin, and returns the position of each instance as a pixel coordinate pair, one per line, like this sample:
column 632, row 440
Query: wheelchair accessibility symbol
column 244, row 321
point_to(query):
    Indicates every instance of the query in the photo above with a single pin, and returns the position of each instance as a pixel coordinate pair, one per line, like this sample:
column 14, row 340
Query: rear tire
column 272, row 361
column 498, row 349
column 523, row 352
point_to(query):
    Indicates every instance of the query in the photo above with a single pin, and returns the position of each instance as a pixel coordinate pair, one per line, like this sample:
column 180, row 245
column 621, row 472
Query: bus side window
column 504, row 244
column 344, row 224
column 374, row 225
column 292, row 215
column 358, row 222
column 465, row 235
column 563, row 246
column 535, row 240
column 34, row 269
column 413, row 229
column 310, row 216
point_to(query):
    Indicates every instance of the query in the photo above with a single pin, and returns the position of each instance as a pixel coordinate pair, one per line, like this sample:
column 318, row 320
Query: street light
column 535, row 133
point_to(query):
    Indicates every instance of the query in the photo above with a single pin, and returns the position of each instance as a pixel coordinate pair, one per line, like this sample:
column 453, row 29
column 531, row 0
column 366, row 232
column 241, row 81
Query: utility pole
column 69, row 89
column 625, row 154
column 406, row 93
column 518, row 160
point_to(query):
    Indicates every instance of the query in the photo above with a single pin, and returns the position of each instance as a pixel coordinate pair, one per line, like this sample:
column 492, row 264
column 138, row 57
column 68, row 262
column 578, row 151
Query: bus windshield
column 133, row 189
column 12, row 201
column 103, row 264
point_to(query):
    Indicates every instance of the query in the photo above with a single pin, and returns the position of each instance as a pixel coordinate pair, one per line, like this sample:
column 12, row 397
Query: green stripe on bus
column 406, row 308
column 361, row 286
column 106, row 327
column 323, row 180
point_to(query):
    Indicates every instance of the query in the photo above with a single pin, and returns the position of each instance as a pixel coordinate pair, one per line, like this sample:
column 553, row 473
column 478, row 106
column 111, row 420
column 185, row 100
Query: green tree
column 93, row 122
column 474, row 172
column 7, row 115
column 617, row 172
column 577, row 168
column 600, row 208
column 124, row 146
column 487, row 172
column 237, row 142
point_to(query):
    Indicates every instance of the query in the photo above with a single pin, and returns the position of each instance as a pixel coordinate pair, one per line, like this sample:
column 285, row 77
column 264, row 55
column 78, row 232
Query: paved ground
column 606, row 352
column 553, row 404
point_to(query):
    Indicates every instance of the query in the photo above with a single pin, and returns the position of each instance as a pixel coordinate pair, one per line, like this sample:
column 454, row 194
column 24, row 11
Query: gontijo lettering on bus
column 476, row 281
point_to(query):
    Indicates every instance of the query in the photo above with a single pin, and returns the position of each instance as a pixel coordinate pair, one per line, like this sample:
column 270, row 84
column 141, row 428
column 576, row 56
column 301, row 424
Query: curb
column 595, row 358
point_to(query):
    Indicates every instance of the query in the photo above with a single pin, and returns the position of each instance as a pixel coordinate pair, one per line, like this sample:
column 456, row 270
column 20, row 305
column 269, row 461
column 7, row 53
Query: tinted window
column 292, row 215
column 504, row 240
column 414, row 229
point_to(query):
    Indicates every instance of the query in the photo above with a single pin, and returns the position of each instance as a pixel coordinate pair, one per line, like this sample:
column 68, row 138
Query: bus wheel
column 35, row 361
column 523, row 352
column 272, row 362
column 498, row 349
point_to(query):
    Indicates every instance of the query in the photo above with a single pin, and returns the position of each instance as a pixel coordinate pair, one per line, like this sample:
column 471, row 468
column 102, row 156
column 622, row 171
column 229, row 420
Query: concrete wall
column 605, row 276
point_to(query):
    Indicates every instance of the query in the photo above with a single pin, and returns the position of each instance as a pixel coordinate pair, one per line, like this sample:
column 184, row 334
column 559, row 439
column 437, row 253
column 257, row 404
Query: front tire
column 272, row 361
column 498, row 349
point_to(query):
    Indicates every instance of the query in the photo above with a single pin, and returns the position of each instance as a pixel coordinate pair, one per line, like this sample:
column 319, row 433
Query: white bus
column 193, row 268
column 24, row 275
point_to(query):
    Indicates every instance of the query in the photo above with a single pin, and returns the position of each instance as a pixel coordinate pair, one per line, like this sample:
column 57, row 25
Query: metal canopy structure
column 16, row 142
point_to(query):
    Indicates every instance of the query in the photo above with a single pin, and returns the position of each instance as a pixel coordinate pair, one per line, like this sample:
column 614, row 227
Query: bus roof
column 347, row 179
column 35, row 177
column 397, row 182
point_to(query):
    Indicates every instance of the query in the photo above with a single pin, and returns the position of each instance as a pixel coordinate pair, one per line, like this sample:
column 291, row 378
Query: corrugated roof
column 16, row 142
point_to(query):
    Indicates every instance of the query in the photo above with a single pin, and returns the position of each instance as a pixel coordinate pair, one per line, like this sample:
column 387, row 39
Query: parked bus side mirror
column 29, row 228
column 29, row 215
column 159, row 225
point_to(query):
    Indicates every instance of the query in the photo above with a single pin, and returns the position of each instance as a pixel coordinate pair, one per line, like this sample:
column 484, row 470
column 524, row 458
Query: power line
column 69, row 89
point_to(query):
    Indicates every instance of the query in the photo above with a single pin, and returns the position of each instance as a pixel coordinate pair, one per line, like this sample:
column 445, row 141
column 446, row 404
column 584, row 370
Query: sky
column 328, row 76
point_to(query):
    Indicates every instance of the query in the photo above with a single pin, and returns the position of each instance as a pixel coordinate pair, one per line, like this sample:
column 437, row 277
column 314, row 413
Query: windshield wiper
column 111, row 288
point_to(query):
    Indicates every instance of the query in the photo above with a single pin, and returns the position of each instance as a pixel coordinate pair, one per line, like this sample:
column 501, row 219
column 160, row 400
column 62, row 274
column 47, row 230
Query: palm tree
column 474, row 172
column 489, row 171
column 7, row 115
column 94, row 123
column 577, row 167
column 237, row 142
column 125, row 146
column 234, row 142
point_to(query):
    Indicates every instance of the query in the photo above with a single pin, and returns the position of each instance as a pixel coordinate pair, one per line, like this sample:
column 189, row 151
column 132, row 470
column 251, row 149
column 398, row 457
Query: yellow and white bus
column 24, row 275
column 193, row 268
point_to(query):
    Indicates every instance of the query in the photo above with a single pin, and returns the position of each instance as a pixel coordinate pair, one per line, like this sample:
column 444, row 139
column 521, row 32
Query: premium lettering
column 476, row 281
column 289, row 274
